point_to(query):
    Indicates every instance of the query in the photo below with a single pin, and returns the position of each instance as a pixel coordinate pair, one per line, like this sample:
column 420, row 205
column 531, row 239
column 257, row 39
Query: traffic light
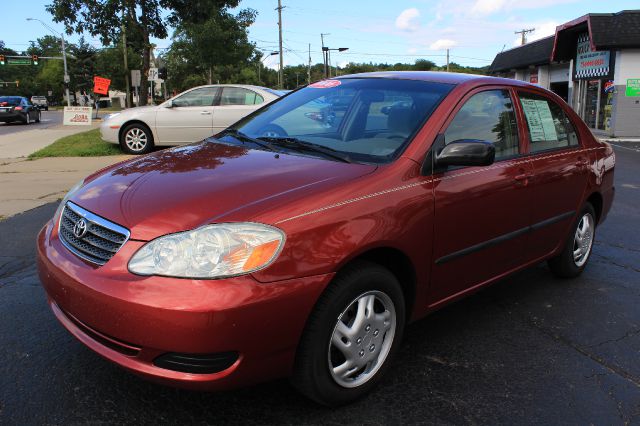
column 1, row 59
column 162, row 73
column 34, row 58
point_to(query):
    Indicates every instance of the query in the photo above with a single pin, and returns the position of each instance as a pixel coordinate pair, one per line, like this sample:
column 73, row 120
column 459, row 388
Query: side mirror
column 467, row 152
column 169, row 104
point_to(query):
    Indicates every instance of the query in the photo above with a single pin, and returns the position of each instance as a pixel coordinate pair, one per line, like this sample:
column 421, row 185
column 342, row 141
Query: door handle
column 581, row 162
column 523, row 179
column 205, row 112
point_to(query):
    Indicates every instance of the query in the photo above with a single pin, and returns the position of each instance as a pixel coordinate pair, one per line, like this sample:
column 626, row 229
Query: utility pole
column 523, row 32
column 309, row 69
column 280, row 75
column 447, row 60
column 66, row 78
column 126, row 64
column 324, row 55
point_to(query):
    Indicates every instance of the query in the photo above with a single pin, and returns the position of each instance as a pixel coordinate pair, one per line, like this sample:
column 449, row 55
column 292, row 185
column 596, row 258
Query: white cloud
column 442, row 44
column 408, row 20
column 487, row 7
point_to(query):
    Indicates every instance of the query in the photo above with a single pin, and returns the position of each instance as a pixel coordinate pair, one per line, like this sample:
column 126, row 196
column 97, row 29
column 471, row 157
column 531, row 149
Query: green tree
column 142, row 19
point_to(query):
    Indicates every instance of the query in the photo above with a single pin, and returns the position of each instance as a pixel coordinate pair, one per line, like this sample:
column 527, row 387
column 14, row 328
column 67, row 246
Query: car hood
column 186, row 187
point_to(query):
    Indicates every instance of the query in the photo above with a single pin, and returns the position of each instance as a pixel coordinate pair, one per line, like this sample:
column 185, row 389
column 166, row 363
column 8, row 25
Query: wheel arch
column 136, row 121
column 596, row 200
column 399, row 264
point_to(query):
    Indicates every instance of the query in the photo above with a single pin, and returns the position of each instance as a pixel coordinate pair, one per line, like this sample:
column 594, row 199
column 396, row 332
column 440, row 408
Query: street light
column 326, row 53
column 64, row 57
column 262, row 63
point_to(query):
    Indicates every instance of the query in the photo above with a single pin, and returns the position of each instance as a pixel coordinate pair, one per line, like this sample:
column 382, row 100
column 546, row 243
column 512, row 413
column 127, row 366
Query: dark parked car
column 18, row 108
column 282, row 249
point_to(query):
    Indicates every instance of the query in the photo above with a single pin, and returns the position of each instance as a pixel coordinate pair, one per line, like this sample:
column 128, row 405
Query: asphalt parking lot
column 529, row 350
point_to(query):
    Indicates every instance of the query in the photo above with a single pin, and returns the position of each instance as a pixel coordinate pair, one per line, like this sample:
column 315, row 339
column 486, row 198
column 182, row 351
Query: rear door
column 559, row 168
column 190, row 119
column 482, row 214
column 234, row 103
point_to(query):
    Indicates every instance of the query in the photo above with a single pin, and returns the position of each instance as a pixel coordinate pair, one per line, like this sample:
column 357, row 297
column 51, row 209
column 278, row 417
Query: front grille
column 101, row 239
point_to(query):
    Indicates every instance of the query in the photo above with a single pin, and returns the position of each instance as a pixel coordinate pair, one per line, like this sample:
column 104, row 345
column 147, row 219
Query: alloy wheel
column 583, row 240
column 361, row 339
column 136, row 139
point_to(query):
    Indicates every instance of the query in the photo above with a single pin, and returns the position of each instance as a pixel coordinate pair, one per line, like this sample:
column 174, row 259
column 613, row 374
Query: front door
column 482, row 214
column 189, row 119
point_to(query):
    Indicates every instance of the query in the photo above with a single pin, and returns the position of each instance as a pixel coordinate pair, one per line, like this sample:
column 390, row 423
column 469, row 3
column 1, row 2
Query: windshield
column 363, row 120
column 9, row 101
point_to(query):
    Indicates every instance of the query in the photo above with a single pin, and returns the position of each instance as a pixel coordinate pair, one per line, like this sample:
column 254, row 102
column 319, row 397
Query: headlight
column 212, row 251
column 110, row 116
column 75, row 187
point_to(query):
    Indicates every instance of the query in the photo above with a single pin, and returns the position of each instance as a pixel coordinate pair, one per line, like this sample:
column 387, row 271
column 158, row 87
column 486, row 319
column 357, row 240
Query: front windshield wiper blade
column 300, row 145
column 244, row 138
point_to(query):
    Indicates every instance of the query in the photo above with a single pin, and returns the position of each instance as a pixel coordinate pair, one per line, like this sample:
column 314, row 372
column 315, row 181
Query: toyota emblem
column 80, row 228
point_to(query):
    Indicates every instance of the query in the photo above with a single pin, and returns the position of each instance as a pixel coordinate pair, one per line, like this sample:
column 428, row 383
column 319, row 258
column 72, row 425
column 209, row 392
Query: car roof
column 439, row 77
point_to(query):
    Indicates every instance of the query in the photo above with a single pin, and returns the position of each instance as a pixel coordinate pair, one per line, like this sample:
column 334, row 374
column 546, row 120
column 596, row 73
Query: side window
column 548, row 125
column 203, row 96
column 239, row 96
column 487, row 116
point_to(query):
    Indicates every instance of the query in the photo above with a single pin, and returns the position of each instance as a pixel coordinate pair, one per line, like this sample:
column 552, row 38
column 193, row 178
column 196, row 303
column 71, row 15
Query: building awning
column 534, row 53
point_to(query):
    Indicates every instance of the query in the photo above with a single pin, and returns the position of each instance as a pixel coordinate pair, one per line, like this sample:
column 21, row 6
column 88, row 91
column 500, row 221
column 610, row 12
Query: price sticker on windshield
column 325, row 84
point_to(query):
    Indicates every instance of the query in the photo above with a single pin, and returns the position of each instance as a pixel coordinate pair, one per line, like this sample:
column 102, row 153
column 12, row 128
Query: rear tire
column 577, row 249
column 27, row 120
column 351, row 336
column 136, row 139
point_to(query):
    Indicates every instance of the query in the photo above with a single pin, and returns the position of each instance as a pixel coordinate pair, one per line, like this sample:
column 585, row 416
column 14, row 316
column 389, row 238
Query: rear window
column 9, row 101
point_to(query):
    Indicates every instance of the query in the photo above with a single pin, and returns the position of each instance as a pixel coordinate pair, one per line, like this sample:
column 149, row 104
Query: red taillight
column 18, row 108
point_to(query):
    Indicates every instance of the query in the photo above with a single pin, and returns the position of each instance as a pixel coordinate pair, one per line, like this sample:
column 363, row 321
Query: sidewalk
column 21, row 144
column 26, row 184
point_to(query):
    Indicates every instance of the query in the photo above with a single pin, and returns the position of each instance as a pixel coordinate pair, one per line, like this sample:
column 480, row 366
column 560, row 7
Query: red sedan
column 301, row 240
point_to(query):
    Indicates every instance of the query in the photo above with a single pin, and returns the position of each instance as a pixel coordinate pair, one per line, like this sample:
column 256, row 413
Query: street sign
column 101, row 85
column 153, row 74
column 135, row 78
column 67, row 79
column 77, row 116
column 50, row 93
column 633, row 87
column 18, row 61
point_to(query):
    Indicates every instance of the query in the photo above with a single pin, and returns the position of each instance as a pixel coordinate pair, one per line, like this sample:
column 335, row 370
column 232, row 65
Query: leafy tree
column 142, row 19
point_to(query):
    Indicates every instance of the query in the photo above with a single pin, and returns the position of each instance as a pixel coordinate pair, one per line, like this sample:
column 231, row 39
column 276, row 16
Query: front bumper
column 132, row 320
column 110, row 131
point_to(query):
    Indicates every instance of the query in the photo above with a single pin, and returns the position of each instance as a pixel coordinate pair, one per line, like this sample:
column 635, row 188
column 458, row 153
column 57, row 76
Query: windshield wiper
column 244, row 138
column 300, row 145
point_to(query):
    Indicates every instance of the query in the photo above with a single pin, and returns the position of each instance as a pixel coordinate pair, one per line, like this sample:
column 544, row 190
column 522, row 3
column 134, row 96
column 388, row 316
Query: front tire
column 351, row 336
column 38, row 117
column 577, row 250
column 136, row 139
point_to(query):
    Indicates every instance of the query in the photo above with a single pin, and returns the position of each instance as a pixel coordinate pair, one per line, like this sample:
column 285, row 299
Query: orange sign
column 101, row 85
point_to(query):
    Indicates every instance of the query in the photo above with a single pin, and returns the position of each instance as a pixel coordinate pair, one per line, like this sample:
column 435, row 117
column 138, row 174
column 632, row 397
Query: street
column 532, row 349
column 47, row 119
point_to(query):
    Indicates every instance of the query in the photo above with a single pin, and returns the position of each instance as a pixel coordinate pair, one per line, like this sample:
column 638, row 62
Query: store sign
column 77, row 116
column 633, row 87
column 533, row 78
column 590, row 63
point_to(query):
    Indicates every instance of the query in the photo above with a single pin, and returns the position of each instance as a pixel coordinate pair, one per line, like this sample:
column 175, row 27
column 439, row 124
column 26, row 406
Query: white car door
column 235, row 103
column 189, row 117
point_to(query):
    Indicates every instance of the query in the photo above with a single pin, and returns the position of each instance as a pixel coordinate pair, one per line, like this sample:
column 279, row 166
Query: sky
column 374, row 31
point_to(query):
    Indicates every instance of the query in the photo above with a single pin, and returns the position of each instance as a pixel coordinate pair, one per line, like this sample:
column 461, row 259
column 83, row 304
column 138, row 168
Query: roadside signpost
column 135, row 82
column 77, row 116
column 100, row 87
